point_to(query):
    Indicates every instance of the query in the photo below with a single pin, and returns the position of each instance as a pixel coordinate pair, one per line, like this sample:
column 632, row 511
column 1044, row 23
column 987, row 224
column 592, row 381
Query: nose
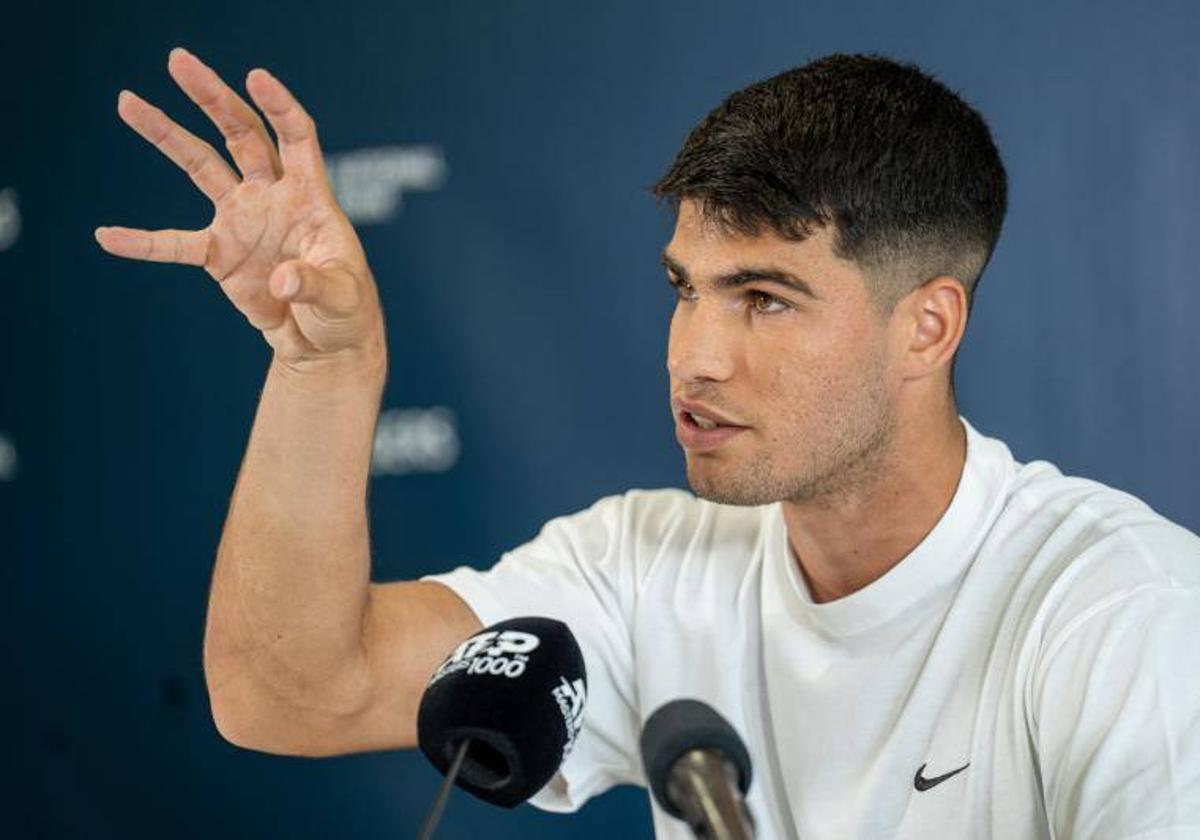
column 702, row 344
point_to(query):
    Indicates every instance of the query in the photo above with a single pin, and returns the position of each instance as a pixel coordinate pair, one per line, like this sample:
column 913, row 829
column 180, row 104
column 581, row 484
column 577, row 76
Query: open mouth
column 697, row 432
column 699, row 421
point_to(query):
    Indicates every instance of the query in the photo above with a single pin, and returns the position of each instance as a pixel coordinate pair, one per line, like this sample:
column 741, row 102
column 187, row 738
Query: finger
column 297, row 133
column 245, row 135
column 332, row 289
column 186, row 247
column 207, row 169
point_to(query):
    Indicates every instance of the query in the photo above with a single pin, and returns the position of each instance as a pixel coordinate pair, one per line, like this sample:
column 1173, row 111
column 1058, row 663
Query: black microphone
column 504, row 709
column 698, row 769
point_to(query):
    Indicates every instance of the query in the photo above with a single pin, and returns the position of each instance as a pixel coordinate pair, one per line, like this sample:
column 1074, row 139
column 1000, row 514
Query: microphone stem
column 705, row 787
column 439, row 804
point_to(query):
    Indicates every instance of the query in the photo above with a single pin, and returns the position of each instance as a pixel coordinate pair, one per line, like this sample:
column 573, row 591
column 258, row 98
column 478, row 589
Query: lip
column 691, row 436
column 682, row 405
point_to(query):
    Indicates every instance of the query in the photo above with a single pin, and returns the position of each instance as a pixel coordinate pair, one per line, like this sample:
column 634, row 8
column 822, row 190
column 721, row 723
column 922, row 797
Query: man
column 915, row 635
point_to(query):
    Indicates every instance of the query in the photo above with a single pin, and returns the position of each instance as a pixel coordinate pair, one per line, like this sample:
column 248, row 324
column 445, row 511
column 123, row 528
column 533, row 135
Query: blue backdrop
column 496, row 158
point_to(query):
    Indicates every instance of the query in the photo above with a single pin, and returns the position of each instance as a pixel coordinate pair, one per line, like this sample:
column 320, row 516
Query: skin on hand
column 278, row 245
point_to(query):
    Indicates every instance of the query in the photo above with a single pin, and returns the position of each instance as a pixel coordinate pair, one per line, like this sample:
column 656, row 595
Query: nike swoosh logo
column 921, row 783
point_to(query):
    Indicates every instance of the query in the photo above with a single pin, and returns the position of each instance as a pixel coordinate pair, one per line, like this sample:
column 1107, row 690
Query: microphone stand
column 439, row 803
column 705, row 789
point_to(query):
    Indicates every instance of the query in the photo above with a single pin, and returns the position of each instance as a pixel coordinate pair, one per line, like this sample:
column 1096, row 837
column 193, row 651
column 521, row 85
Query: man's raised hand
column 278, row 244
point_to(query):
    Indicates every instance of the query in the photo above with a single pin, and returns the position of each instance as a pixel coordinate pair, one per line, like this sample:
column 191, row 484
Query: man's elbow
column 262, row 721
column 284, row 734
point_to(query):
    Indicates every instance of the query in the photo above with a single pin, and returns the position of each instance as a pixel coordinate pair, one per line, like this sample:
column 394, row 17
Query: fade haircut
column 904, row 170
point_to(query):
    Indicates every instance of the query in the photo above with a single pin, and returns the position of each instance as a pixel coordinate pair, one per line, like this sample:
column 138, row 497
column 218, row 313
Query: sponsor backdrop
column 495, row 158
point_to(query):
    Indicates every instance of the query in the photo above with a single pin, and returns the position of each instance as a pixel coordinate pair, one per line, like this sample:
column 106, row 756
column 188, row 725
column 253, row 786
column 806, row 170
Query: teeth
column 703, row 422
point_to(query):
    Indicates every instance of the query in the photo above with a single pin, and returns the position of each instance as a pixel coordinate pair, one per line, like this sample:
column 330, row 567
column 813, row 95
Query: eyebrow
column 748, row 274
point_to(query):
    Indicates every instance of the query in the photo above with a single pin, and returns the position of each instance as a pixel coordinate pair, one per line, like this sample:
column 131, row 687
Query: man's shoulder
column 658, row 531
column 665, row 511
column 657, row 510
column 1090, row 549
column 1077, row 518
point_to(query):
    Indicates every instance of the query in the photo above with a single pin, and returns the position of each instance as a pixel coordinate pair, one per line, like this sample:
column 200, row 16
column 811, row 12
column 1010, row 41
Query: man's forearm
column 293, row 567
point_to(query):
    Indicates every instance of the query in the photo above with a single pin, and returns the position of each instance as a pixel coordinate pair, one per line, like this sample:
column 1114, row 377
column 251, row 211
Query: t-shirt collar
column 937, row 561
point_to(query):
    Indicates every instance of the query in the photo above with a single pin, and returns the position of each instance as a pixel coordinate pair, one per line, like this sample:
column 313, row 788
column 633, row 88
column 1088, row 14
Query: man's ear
column 934, row 317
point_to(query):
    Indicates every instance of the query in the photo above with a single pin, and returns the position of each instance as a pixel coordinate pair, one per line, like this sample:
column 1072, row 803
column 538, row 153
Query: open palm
column 278, row 244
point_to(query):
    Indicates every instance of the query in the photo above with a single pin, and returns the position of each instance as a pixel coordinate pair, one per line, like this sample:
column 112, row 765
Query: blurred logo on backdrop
column 10, row 218
column 370, row 183
column 8, row 458
column 415, row 440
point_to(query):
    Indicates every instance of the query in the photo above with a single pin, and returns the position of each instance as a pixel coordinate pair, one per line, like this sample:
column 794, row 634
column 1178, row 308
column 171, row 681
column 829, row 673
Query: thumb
column 332, row 289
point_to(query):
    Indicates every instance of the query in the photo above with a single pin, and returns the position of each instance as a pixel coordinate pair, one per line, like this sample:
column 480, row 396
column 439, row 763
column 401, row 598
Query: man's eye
column 766, row 304
column 683, row 290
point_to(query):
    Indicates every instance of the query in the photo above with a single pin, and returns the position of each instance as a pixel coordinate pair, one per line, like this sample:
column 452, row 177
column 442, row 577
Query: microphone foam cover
column 677, row 728
column 516, row 689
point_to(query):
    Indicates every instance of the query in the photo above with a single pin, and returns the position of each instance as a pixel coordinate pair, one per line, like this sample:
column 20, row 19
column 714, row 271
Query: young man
column 915, row 635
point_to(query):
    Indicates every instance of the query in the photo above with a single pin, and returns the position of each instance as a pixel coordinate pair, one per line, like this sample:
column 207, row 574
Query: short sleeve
column 1116, row 718
column 575, row 570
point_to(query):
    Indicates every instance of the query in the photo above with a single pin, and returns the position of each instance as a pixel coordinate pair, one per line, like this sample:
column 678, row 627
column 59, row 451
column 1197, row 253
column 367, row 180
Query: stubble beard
column 845, row 457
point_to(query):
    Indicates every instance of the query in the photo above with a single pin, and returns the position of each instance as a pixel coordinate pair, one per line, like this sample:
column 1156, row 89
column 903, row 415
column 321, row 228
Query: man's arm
column 302, row 655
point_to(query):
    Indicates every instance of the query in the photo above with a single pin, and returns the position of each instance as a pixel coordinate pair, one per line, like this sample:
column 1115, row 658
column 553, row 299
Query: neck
column 844, row 543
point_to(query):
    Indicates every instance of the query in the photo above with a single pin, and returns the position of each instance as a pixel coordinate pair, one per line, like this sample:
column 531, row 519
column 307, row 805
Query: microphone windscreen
column 516, row 690
column 676, row 729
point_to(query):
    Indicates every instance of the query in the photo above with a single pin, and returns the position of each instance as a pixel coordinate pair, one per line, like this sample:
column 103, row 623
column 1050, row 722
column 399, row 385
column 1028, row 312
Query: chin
column 747, row 489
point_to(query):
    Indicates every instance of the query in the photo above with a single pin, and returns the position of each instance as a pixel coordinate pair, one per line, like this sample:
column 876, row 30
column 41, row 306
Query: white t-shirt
column 1045, row 633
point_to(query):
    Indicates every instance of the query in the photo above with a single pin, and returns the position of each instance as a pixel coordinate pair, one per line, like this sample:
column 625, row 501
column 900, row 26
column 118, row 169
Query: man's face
column 805, row 376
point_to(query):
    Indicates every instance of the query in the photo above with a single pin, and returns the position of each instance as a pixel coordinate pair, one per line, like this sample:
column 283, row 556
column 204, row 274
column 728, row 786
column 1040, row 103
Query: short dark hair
column 902, row 167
